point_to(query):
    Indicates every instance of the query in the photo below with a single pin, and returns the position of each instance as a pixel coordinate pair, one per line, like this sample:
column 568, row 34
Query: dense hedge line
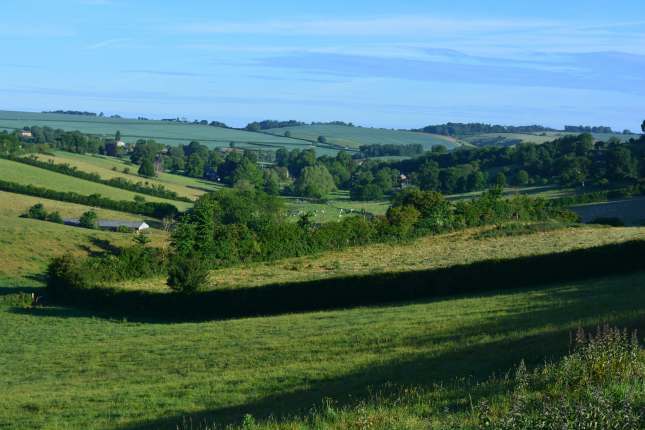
column 601, row 196
column 66, row 169
column 70, row 283
column 153, row 209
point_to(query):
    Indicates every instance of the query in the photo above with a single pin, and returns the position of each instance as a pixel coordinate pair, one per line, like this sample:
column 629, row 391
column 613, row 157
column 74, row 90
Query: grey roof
column 112, row 223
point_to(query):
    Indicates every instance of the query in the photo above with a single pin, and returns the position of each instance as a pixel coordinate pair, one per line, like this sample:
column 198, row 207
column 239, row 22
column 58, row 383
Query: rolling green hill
column 353, row 137
column 170, row 133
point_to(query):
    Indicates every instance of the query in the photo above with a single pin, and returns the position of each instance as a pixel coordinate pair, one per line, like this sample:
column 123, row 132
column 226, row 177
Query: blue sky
column 378, row 63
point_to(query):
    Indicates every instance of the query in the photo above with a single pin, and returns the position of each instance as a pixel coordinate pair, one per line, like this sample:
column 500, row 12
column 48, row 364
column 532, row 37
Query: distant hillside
column 166, row 132
column 354, row 137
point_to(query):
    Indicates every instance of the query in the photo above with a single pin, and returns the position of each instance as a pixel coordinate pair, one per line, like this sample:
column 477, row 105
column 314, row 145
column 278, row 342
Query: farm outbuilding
column 114, row 225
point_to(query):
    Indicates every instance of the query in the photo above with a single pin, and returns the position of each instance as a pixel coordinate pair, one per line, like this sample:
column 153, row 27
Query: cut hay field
column 353, row 137
column 62, row 368
column 29, row 175
column 170, row 133
column 430, row 252
column 105, row 167
column 26, row 245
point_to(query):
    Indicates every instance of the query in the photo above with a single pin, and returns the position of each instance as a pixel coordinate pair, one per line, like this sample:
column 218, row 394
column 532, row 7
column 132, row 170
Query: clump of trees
column 461, row 129
column 38, row 211
column 89, row 220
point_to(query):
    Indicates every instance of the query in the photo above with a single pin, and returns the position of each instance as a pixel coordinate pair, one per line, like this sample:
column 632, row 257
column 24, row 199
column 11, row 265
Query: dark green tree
column 89, row 219
column 147, row 168
column 314, row 181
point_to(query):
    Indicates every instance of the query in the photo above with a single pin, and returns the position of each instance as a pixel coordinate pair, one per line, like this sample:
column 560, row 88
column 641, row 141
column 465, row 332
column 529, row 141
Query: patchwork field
column 24, row 174
column 170, row 133
column 484, row 139
column 353, row 137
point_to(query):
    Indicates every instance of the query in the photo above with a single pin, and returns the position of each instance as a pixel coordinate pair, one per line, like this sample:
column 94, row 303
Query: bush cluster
column 38, row 211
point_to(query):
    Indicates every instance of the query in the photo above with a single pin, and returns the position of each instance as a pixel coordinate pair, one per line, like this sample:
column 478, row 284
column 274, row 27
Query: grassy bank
column 115, row 374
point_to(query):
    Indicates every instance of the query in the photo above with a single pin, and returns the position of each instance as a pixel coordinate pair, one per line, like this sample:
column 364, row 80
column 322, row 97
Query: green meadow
column 63, row 368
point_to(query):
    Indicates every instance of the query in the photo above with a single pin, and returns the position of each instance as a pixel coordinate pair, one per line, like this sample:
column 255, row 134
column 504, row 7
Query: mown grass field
column 105, row 167
column 26, row 245
column 353, row 137
column 66, row 369
column 170, row 133
column 24, row 174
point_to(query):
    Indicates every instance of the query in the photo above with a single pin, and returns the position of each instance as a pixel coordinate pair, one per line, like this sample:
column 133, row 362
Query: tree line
column 463, row 129
column 239, row 226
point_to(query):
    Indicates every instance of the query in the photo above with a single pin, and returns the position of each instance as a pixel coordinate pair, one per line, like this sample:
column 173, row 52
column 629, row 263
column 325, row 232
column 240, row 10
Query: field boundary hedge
column 124, row 184
column 353, row 291
column 152, row 209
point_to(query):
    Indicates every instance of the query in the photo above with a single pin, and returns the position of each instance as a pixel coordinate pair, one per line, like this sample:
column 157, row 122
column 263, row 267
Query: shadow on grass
column 457, row 372
column 367, row 290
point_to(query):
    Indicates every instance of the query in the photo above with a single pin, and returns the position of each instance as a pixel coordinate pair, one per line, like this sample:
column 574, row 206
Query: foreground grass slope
column 62, row 368
column 12, row 171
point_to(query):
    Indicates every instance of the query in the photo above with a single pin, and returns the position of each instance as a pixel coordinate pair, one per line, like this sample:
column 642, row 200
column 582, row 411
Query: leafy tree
column 89, row 219
column 314, row 181
column 643, row 126
column 117, row 136
column 37, row 211
column 403, row 218
column 322, row 139
column 522, row 177
column 195, row 165
column 147, row 168
column 500, row 179
column 271, row 182
column 247, row 170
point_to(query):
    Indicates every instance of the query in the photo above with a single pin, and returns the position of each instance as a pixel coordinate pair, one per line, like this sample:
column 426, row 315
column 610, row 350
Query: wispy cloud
column 170, row 73
column 107, row 43
column 391, row 26
column 609, row 71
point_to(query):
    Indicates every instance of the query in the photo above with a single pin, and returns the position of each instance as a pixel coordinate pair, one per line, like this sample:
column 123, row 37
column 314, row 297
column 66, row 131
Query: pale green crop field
column 169, row 133
column 353, row 137
column 21, row 173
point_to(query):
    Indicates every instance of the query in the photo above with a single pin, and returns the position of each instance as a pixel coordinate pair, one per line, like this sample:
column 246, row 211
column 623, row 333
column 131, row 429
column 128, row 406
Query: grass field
column 104, row 166
column 426, row 253
column 27, row 245
column 335, row 208
column 630, row 211
column 109, row 374
column 170, row 133
column 24, row 174
column 353, row 137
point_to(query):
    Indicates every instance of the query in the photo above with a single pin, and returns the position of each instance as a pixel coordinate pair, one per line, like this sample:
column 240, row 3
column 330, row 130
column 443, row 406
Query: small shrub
column 54, row 217
column 188, row 274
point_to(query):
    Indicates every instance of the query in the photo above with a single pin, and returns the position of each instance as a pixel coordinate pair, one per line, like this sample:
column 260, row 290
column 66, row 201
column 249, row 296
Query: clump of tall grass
column 599, row 385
